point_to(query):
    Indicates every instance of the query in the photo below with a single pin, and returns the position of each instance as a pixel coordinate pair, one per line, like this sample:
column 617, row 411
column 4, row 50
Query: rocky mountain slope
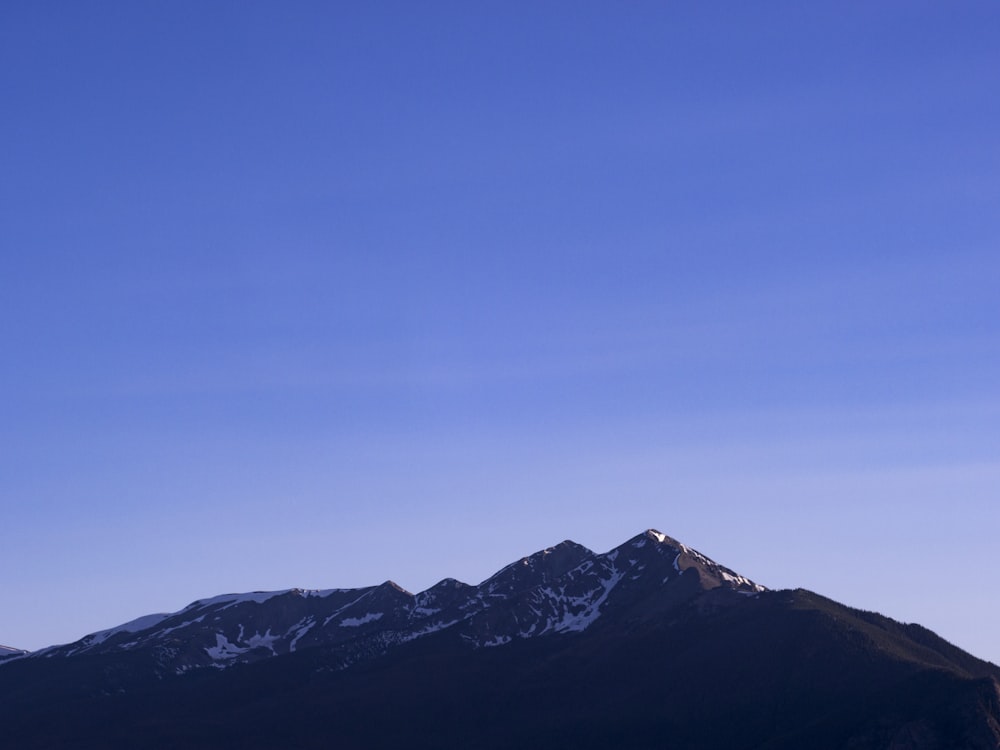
column 562, row 589
column 651, row 645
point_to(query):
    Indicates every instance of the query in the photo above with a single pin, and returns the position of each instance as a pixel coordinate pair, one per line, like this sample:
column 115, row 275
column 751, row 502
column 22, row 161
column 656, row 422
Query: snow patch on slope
column 353, row 622
column 225, row 649
column 579, row 621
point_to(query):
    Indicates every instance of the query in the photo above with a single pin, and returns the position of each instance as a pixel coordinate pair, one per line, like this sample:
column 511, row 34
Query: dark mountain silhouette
column 651, row 645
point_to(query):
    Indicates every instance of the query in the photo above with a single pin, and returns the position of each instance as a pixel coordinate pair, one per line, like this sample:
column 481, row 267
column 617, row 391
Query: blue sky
column 324, row 294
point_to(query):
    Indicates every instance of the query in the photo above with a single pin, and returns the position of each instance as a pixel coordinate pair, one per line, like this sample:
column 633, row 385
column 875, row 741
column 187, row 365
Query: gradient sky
column 323, row 294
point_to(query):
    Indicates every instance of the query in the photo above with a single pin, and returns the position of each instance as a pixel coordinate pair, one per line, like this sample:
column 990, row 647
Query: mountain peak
column 393, row 586
column 566, row 544
column 657, row 537
column 660, row 538
column 536, row 569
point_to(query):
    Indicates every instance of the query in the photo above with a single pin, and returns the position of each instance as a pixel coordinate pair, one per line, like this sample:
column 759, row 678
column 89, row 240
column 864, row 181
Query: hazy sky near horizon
column 322, row 294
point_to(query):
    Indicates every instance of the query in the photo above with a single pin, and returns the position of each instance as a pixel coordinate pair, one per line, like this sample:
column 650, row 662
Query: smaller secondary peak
column 567, row 549
column 538, row 568
column 567, row 546
column 450, row 583
column 393, row 586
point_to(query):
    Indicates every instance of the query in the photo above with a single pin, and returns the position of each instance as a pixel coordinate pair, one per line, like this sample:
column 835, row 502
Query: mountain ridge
column 559, row 589
column 649, row 645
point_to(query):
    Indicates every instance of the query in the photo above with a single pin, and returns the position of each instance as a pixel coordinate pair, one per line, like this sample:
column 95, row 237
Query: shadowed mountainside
column 653, row 647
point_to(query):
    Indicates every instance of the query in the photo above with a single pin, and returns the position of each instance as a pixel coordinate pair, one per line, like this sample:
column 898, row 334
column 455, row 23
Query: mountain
column 561, row 589
column 650, row 645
